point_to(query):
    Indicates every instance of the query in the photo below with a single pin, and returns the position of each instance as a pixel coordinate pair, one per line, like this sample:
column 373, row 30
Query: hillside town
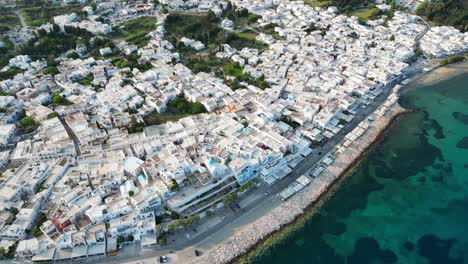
column 122, row 137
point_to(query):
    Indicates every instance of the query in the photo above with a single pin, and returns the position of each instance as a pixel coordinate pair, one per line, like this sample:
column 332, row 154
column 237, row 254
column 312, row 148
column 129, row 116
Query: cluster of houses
column 84, row 184
column 93, row 26
column 444, row 41
column 201, row 6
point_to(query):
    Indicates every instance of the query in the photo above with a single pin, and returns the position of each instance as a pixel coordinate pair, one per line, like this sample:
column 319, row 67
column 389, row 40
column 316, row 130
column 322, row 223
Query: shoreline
column 251, row 239
column 313, row 207
column 246, row 242
column 436, row 74
column 267, row 223
column 441, row 73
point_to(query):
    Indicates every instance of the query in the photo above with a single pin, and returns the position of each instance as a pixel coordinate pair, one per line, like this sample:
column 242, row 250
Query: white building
column 6, row 134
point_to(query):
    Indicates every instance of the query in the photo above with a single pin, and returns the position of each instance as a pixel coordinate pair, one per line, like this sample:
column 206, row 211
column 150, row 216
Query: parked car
column 163, row 259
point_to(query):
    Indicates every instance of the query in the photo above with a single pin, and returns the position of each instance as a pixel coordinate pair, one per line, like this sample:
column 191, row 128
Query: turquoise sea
column 407, row 202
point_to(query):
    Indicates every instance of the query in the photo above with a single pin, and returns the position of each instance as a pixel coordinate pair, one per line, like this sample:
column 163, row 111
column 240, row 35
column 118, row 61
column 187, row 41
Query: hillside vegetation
column 446, row 12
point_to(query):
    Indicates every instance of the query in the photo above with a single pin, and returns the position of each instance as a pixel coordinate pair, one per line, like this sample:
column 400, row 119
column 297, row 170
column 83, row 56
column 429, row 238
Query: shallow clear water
column 407, row 202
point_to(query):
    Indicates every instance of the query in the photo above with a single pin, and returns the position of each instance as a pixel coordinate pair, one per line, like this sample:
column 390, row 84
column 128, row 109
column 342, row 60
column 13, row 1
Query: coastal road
column 149, row 255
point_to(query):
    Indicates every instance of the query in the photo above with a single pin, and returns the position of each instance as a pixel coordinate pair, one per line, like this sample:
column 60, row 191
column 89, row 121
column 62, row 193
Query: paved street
column 228, row 217
column 324, row 71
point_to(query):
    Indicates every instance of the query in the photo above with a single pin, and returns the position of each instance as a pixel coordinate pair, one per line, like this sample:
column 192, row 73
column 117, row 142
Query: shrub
column 59, row 100
column 120, row 239
column 161, row 241
column 28, row 124
column 174, row 186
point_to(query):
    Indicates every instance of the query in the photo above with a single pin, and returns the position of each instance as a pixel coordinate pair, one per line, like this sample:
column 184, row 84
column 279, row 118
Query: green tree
column 198, row 108
column 174, row 215
column 362, row 21
column 3, row 93
column 27, row 121
column 87, row 80
column 158, row 229
column 418, row 52
column 211, row 16
column 193, row 219
column 161, row 241
column 11, row 250
column 58, row 99
column 131, row 193
column 230, row 198
column 14, row 210
column 10, row 73
column 249, row 184
column 455, row 59
column 52, row 70
column 181, row 107
column 52, row 115
column 120, row 239
column 171, row 227
column 452, row 13
column 174, row 186
column 28, row 124
column 73, row 55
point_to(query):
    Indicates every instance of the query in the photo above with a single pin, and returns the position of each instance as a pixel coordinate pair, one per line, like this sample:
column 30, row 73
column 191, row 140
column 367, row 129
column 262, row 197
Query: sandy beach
column 440, row 73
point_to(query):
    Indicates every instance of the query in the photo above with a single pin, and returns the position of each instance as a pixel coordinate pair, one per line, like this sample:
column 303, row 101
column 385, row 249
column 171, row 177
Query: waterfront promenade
column 250, row 234
column 256, row 205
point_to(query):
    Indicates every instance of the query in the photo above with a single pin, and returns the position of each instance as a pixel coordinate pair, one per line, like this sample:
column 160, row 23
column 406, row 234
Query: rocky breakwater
column 251, row 234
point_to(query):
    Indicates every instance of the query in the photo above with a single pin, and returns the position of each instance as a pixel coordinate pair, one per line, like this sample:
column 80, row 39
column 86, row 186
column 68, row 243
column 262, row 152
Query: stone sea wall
column 289, row 210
